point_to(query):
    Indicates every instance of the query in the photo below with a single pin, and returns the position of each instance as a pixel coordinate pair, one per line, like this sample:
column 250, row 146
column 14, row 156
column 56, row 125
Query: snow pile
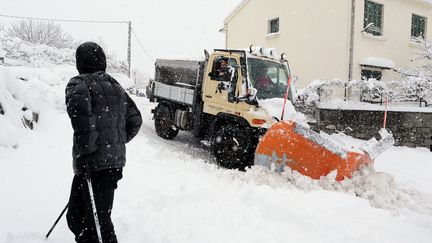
column 17, row 107
column 379, row 188
column 274, row 108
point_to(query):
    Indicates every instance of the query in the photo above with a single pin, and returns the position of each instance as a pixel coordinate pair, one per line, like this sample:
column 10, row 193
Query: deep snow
column 173, row 192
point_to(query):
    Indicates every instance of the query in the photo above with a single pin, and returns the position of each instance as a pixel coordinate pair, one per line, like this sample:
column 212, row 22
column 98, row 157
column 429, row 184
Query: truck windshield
column 269, row 78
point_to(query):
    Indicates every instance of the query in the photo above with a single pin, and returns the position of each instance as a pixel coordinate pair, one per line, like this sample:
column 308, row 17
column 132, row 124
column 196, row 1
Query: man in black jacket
column 104, row 118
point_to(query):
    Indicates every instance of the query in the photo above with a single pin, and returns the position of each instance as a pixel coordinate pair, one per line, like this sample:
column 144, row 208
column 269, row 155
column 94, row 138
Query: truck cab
column 218, row 99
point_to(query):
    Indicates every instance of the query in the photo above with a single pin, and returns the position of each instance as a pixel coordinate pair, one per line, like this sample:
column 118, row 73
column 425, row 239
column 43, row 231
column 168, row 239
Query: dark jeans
column 80, row 215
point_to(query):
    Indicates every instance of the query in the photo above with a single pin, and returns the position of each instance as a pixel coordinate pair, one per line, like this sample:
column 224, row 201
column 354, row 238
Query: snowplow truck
column 218, row 99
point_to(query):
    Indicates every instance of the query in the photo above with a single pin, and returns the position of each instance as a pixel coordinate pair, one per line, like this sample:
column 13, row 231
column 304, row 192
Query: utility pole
column 351, row 48
column 129, row 48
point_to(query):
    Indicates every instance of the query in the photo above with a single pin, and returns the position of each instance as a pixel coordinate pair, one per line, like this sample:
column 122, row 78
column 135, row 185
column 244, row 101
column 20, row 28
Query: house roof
column 244, row 2
column 236, row 10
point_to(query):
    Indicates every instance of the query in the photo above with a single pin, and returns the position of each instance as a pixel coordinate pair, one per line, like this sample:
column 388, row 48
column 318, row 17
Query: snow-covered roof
column 378, row 62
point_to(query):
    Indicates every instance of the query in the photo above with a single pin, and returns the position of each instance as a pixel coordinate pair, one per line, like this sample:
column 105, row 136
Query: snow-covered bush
column 317, row 90
column 23, row 53
column 371, row 90
column 40, row 32
column 413, row 89
column 410, row 89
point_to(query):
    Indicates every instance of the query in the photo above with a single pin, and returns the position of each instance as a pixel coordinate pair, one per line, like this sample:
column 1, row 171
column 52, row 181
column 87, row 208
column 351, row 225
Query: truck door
column 221, row 85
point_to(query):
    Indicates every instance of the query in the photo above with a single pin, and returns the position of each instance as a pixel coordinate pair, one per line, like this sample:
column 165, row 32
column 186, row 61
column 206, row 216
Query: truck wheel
column 233, row 147
column 164, row 123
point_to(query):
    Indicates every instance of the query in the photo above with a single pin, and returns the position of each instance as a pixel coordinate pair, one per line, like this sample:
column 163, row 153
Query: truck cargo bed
column 178, row 92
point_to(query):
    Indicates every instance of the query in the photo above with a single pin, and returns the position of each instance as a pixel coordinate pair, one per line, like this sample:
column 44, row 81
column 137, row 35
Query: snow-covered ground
column 173, row 192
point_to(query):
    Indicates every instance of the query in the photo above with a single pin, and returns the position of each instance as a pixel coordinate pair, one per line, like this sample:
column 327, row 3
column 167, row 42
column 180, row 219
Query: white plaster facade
column 316, row 34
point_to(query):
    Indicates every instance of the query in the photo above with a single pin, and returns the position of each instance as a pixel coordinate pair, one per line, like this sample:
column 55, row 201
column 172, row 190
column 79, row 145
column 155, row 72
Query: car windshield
column 269, row 78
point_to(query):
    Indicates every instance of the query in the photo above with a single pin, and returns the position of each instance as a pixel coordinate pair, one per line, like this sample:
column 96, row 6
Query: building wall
column 314, row 38
column 395, row 43
column 315, row 34
column 410, row 129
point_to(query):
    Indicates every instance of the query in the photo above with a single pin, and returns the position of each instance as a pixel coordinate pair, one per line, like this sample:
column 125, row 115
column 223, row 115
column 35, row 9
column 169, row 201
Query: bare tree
column 423, row 58
column 417, row 81
column 40, row 32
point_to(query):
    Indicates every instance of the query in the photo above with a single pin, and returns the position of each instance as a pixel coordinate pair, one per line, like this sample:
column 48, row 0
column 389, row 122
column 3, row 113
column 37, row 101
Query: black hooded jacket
column 104, row 118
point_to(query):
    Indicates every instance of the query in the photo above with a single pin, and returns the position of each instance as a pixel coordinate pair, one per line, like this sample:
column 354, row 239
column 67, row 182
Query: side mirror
column 250, row 98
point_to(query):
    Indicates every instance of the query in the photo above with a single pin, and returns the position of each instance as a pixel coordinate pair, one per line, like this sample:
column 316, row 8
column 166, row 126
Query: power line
column 65, row 20
column 142, row 46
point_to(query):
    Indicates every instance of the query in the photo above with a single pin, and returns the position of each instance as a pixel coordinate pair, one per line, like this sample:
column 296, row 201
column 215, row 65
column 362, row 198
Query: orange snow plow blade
column 290, row 144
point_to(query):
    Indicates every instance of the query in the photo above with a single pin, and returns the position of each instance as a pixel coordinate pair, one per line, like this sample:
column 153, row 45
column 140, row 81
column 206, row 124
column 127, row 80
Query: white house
column 328, row 39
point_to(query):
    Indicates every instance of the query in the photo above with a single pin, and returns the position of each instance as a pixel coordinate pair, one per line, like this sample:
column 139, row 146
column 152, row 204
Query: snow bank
column 13, row 99
column 24, row 90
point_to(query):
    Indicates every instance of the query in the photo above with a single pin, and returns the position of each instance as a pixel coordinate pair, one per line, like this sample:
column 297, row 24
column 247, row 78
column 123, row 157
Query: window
column 172, row 75
column 270, row 79
column 273, row 26
column 373, row 15
column 223, row 69
column 367, row 74
column 418, row 26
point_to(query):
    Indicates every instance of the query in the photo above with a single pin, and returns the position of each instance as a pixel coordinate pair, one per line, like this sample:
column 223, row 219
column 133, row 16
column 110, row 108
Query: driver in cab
column 263, row 81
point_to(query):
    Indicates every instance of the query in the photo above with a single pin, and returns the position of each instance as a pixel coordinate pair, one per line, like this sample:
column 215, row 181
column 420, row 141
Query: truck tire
column 232, row 147
column 164, row 123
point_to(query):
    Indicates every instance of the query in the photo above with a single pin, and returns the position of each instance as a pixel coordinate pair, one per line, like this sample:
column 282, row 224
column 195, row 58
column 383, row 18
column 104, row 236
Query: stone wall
column 412, row 129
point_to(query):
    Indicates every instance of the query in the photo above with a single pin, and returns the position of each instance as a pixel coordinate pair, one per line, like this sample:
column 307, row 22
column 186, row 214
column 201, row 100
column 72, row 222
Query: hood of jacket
column 90, row 58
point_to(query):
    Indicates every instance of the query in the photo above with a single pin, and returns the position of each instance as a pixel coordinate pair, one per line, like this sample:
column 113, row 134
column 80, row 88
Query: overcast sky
column 166, row 28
